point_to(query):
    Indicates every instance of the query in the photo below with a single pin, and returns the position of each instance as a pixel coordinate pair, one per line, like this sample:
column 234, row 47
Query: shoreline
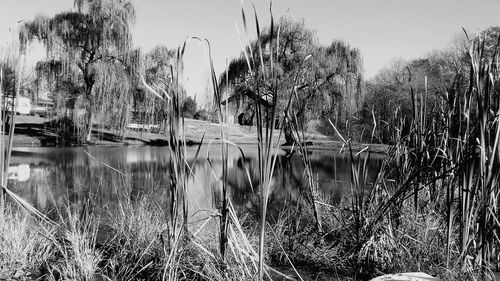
column 30, row 141
column 34, row 132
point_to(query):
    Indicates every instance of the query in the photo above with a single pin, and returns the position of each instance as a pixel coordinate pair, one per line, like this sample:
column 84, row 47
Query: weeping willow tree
column 345, row 66
column 326, row 78
column 89, row 48
column 158, row 74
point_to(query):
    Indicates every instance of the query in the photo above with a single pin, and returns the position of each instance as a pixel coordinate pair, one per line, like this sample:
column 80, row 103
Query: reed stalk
column 264, row 83
column 2, row 133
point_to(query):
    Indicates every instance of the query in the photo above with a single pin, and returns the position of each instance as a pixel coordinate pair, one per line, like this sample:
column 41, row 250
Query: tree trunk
column 89, row 126
column 124, row 122
column 288, row 131
column 89, row 84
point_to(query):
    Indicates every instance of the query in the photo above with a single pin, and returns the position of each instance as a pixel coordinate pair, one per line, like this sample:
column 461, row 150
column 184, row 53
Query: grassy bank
column 130, row 242
column 125, row 242
column 37, row 131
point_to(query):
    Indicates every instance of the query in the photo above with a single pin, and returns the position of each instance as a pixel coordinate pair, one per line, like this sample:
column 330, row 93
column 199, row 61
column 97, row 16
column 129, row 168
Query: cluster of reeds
column 188, row 252
column 264, row 82
column 446, row 168
column 23, row 250
column 7, row 118
column 434, row 204
column 265, row 85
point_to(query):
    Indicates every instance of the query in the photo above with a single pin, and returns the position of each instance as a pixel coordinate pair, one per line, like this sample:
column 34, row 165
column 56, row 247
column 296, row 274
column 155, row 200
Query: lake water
column 49, row 177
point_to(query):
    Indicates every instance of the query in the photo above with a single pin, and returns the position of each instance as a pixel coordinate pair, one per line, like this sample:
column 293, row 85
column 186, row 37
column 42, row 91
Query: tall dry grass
column 446, row 167
column 434, row 204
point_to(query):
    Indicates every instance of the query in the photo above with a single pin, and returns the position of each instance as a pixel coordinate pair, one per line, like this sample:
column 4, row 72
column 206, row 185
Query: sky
column 382, row 29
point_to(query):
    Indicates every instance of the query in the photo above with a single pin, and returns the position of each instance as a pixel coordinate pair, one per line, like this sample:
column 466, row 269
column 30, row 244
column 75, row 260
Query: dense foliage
column 328, row 79
column 89, row 50
column 432, row 78
column 188, row 108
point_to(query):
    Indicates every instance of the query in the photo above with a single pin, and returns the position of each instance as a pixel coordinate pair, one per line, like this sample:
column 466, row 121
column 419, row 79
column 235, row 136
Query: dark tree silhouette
column 328, row 79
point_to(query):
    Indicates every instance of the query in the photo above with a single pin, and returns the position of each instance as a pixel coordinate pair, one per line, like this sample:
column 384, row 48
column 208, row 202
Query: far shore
column 35, row 132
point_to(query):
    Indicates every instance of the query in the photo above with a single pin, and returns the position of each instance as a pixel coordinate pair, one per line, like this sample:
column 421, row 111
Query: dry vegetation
column 433, row 208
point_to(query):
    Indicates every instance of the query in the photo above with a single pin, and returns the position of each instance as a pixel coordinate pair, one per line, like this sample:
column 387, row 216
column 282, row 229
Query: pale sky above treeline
column 381, row 29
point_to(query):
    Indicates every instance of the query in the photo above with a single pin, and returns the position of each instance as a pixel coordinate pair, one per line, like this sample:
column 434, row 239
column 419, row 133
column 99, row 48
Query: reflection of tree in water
column 288, row 185
column 70, row 175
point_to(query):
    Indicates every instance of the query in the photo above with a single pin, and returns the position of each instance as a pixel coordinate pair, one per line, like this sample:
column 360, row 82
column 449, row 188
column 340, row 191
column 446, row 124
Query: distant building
column 239, row 106
column 43, row 105
column 23, row 105
column 234, row 107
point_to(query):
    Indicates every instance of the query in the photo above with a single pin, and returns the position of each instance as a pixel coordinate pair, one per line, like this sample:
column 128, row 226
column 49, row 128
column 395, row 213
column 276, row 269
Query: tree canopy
column 431, row 79
column 327, row 78
column 89, row 48
column 189, row 107
column 156, row 67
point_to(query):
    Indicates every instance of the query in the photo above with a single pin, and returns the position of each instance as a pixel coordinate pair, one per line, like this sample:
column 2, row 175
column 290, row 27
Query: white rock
column 408, row 276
